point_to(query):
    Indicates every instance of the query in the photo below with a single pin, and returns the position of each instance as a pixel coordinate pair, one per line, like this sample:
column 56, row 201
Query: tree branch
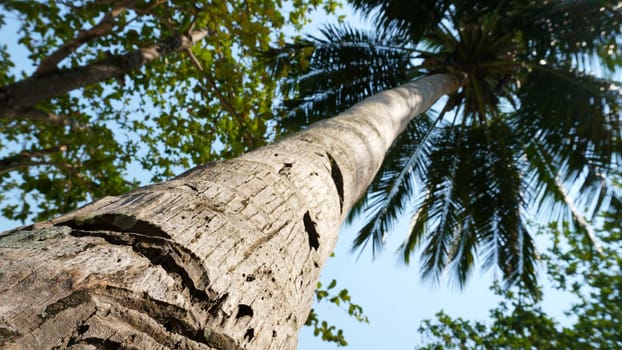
column 27, row 93
column 104, row 27
column 46, row 117
column 24, row 159
column 49, row 118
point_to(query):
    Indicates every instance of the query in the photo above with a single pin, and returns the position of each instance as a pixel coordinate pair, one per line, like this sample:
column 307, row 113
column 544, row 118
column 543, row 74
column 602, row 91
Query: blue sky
column 392, row 295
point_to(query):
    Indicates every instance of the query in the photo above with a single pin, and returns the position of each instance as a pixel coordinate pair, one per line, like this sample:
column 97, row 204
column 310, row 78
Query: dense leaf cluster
column 121, row 94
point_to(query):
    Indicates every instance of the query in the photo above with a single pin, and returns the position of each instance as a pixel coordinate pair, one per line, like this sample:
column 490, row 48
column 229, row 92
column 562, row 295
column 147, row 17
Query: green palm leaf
column 413, row 18
column 571, row 137
column 569, row 30
column 467, row 205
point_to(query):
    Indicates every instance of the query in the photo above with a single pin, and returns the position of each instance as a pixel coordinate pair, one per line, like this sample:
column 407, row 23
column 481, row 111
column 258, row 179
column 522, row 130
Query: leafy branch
column 27, row 93
column 342, row 299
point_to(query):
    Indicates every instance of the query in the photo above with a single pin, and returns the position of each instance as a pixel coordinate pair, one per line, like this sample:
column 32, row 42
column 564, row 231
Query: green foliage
column 323, row 329
column 519, row 321
column 185, row 108
column 535, row 125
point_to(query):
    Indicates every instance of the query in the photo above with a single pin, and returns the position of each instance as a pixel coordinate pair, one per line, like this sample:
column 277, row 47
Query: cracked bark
column 225, row 256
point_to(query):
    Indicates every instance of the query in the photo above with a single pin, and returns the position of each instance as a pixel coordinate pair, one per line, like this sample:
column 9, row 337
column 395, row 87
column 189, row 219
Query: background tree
column 535, row 125
column 124, row 86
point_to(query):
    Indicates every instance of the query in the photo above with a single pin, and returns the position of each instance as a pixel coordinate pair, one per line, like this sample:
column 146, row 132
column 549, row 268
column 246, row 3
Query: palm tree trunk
column 224, row 256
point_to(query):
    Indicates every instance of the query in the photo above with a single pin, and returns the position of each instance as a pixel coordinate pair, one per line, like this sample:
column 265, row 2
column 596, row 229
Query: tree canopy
column 534, row 131
column 120, row 87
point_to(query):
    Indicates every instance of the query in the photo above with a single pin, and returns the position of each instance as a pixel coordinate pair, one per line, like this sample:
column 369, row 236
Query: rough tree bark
column 224, row 256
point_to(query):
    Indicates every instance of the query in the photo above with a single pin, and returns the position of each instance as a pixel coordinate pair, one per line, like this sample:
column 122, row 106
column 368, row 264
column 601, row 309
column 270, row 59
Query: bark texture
column 225, row 256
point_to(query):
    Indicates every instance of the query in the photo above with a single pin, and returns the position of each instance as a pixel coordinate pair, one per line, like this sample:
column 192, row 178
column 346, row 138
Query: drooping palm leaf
column 571, row 137
column 467, row 205
column 575, row 113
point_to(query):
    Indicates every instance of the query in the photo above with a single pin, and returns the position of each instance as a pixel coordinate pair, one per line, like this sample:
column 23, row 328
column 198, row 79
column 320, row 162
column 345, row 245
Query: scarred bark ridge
column 94, row 300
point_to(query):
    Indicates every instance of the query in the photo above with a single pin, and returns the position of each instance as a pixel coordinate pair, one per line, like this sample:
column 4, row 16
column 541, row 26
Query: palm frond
column 552, row 197
column 511, row 240
column 342, row 66
column 473, row 199
column 514, row 252
column 570, row 125
column 494, row 200
column 463, row 251
column 437, row 217
column 393, row 187
column 414, row 18
column 614, row 210
column 576, row 114
column 443, row 230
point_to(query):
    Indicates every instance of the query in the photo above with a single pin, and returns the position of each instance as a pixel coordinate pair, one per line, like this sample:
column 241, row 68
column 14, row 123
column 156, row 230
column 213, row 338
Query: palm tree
column 533, row 128
column 225, row 256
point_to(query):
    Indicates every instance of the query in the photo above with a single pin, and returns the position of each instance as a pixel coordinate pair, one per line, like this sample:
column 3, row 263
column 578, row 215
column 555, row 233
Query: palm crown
column 531, row 127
